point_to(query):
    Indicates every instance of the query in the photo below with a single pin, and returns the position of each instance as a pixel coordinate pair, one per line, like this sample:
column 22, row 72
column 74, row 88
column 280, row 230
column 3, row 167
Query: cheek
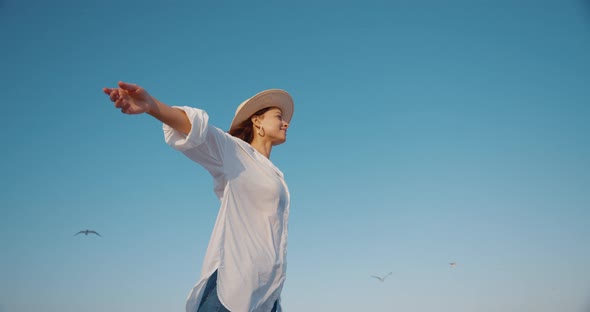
column 275, row 123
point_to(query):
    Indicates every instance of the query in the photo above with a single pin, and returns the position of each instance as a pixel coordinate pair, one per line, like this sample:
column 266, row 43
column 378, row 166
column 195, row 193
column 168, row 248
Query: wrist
column 154, row 106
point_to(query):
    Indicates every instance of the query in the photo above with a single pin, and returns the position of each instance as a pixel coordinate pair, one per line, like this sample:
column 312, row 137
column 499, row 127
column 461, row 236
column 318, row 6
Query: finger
column 114, row 95
column 120, row 103
column 107, row 91
column 128, row 86
column 125, row 108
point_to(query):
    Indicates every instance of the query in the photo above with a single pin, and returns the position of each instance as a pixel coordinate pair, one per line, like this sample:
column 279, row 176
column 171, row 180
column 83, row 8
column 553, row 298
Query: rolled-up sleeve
column 199, row 122
column 204, row 144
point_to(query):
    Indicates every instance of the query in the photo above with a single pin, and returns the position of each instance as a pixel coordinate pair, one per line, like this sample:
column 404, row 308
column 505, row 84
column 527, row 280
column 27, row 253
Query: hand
column 130, row 98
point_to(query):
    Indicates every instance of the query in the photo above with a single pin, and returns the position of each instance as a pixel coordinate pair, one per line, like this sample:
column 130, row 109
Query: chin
column 280, row 141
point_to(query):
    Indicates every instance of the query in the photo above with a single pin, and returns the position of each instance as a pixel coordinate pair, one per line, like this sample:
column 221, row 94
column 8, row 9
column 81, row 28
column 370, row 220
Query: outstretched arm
column 133, row 99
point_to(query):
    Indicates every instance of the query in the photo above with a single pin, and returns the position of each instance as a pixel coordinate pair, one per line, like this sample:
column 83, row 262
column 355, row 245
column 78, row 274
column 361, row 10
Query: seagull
column 87, row 232
column 382, row 279
column 453, row 264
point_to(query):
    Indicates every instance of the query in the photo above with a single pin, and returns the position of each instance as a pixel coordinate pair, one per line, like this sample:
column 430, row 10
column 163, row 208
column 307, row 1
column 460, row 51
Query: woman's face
column 275, row 127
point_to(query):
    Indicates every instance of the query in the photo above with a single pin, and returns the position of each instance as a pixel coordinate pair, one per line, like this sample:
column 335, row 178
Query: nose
column 285, row 124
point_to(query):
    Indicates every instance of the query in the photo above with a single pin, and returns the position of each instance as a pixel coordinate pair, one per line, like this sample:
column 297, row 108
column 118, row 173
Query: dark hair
column 245, row 130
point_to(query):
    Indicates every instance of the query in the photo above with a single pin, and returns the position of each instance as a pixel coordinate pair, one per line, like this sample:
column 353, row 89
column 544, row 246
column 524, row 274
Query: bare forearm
column 174, row 117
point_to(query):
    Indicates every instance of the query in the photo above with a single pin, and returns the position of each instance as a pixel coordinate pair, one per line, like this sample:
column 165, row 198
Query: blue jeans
column 210, row 302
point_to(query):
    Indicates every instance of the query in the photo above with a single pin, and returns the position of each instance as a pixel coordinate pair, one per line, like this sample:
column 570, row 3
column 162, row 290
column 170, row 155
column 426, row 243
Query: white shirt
column 249, row 241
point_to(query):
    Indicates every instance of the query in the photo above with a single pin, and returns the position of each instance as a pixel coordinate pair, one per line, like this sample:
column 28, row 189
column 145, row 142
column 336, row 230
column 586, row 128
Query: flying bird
column 453, row 264
column 86, row 232
column 382, row 278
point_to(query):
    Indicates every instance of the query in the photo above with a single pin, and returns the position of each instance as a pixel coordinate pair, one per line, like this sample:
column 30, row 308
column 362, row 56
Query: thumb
column 128, row 86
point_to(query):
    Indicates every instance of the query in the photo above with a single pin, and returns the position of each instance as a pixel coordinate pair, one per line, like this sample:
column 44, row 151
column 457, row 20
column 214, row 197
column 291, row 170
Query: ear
column 255, row 120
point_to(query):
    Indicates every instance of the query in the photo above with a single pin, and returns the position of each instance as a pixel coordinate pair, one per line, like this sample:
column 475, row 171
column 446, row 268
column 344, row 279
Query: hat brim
column 267, row 98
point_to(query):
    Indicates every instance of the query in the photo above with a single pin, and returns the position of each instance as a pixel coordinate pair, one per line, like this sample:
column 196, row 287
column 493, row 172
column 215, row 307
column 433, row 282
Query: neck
column 262, row 147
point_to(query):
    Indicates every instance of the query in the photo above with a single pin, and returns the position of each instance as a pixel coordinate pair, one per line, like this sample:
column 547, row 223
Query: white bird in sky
column 382, row 278
column 87, row 232
column 453, row 264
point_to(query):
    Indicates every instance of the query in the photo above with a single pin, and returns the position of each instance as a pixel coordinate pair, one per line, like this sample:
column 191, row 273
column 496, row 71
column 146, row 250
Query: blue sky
column 425, row 132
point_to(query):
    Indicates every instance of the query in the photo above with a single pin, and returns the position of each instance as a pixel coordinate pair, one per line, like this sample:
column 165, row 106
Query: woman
column 244, row 267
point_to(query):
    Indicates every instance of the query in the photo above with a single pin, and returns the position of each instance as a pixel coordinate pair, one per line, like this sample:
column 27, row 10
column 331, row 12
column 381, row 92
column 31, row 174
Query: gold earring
column 261, row 131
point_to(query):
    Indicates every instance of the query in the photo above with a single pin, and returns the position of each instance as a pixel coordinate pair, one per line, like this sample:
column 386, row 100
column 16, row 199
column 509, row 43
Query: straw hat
column 267, row 98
